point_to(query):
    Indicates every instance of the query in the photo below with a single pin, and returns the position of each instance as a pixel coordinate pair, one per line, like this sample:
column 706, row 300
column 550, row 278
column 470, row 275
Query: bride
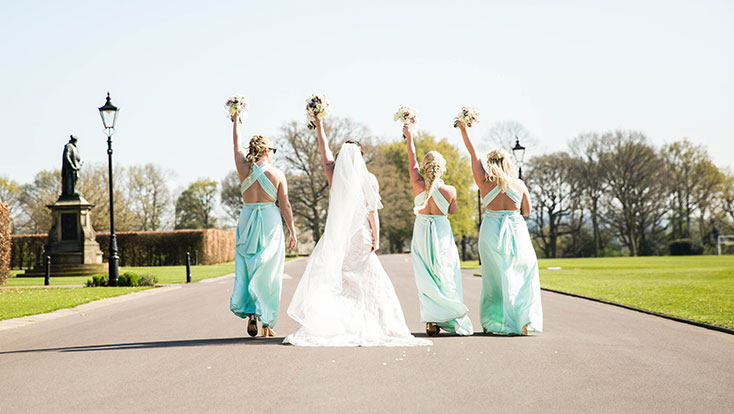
column 344, row 297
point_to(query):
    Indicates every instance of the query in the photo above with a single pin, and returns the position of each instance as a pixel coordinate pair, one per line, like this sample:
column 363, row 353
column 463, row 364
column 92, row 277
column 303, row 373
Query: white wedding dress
column 344, row 297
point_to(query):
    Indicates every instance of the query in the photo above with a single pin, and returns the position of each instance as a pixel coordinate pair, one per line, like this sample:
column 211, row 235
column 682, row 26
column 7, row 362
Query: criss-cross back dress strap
column 258, row 174
column 511, row 192
column 438, row 198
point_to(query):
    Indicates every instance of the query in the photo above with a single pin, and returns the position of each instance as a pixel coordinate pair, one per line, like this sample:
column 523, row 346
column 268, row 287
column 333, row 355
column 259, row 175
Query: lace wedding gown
column 345, row 297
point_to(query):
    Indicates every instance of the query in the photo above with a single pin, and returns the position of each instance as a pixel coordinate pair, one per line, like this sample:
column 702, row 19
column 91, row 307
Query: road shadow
column 182, row 343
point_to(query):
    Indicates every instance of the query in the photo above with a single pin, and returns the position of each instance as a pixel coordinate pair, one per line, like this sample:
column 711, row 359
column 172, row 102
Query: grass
column 699, row 288
column 15, row 303
column 18, row 302
column 165, row 274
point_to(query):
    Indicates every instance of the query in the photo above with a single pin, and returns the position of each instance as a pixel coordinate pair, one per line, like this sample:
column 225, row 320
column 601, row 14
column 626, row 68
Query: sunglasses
column 273, row 149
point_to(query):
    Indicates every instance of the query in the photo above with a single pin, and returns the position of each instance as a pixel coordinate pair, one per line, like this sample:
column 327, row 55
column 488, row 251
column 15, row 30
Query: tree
column 553, row 181
column 194, row 207
column 636, row 190
column 34, row 197
column 149, row 196
column 680, row 160
column 725, row 201
column 93, row 185
column 587, row 148
column 231, row 196
column 307, row 185
column 503, row 134
column 10, row 193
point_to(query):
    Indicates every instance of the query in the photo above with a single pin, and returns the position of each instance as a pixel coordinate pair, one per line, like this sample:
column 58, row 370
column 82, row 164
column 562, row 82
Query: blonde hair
column 434, row 166
column 500, row 168
column 258, row 147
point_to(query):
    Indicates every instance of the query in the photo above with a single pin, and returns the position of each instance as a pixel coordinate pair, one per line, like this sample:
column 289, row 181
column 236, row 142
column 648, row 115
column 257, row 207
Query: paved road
column 182, row 350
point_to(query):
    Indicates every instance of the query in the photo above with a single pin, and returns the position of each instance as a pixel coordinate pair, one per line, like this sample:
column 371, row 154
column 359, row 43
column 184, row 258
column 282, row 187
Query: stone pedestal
column 72, row 242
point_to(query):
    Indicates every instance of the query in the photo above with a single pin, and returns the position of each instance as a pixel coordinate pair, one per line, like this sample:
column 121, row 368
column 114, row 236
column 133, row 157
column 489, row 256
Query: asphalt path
column 183, row 351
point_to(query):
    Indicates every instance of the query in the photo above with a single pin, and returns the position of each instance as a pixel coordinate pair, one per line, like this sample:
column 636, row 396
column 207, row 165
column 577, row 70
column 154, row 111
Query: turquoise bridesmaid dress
column 510, row 297
column 437, row 269
column 259, row 255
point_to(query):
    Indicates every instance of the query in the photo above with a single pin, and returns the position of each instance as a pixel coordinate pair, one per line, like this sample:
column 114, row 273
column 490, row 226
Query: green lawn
column 19, row 302
column 700, row 288
column 165, row 274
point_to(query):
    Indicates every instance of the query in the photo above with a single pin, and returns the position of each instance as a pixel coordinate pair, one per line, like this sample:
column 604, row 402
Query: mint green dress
column 259, row 255
column 510, row 297
column 437, row 269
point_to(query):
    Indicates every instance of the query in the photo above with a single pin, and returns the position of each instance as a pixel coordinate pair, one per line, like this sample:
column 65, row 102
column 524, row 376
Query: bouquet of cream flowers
column 237, row 105
column 317, row 107
column 468, row 115
column 407, row 115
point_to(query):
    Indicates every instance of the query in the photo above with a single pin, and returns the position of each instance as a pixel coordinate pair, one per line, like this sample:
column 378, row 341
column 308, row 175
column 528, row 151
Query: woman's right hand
column 406, row 131
column 460, row 125
column 292, row 242
column 235, row 118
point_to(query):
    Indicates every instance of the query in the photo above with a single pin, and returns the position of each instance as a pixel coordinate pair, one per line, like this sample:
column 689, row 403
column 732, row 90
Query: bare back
column 256, row 194
column 448, row 192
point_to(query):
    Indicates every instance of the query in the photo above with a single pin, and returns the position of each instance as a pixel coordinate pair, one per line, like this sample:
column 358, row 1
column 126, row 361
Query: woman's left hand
column 375, row 244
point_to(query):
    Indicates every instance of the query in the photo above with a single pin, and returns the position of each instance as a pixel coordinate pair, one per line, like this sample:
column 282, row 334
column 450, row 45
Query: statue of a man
column 70, row 166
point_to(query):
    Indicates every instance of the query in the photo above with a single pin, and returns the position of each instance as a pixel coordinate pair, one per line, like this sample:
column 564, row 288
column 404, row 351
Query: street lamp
column 518, row 151
column 108, row 112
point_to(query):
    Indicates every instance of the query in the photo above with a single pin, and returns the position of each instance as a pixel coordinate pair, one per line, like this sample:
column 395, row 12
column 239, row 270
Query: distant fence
column 143, row 248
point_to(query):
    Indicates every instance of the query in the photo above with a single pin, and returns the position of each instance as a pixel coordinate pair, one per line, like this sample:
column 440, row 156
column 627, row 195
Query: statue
column 70, row 166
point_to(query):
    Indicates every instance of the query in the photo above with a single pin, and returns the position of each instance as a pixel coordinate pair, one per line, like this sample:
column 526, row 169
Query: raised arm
column 327, row 157
column 477, row 167
column 413, row 169
column 240, row 162
column 287, row 212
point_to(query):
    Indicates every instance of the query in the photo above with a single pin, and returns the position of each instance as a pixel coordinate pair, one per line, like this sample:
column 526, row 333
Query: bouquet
column 317, row 107
column 237, row 105
column 407, row 115
column 468, row 115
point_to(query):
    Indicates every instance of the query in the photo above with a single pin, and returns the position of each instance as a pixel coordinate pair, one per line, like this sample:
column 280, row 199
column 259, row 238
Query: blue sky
column 560, row 68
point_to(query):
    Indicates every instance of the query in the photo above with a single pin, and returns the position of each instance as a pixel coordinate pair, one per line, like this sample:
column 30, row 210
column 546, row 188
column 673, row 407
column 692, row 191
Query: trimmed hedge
column 685, row 247
column 126, row 279
column 4, row 243
column 145, row 248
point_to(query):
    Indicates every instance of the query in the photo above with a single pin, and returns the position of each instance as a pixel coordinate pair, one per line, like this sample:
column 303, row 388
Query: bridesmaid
column 259, row 249
column 510, row 298
column 433, row 251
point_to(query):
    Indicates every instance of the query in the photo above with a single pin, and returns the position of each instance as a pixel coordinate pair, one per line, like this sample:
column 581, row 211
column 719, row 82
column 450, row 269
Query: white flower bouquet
column 237, row 104
column 468, row 115
column 407, row 115
column 317, row 107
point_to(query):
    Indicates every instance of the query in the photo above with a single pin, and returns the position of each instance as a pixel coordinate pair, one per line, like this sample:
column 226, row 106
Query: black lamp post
column 108, row 112
column 518, row 151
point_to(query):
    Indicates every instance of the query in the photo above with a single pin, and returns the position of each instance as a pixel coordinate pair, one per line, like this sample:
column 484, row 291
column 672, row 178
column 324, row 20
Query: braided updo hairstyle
column 258, row 147
column 434, row 166
column 500, row 168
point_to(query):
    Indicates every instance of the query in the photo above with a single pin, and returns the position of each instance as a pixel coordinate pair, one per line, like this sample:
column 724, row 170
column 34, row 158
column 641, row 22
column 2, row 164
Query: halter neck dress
column 259, row 254
column 510, row 297
column 437, row 268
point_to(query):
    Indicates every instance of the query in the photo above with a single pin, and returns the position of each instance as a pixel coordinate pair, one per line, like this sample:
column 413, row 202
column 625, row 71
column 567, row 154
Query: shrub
column 97, row 280
column 5, row 243
column 148, row 280
column 685, row 247
column 126, row 279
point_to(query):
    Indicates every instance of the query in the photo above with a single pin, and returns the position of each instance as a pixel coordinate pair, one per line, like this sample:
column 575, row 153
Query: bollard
column 188, row 267
column 196, row 257
column 47, row 279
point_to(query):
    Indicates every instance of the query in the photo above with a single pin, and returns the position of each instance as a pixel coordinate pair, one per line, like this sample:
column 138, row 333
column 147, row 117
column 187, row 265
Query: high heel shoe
column 252, row 325
column 267, row 331
column 432, row 329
